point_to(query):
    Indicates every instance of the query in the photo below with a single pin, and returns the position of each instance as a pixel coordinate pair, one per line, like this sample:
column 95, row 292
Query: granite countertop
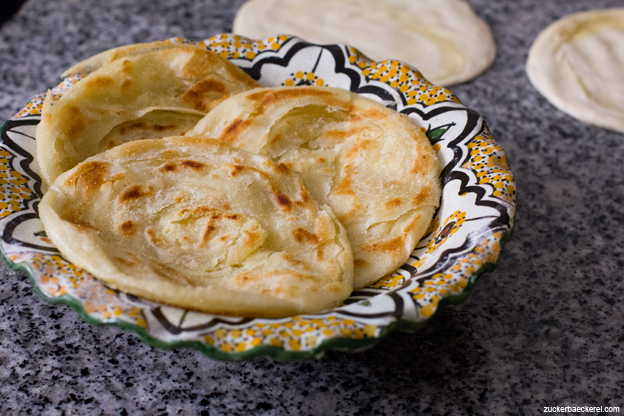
column 545, row 329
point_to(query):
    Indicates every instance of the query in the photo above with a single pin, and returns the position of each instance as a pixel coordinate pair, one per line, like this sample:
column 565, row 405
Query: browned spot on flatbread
column 204, row 95
column 205, row 238
column 369, row 114
column 244, row 278
column 163, row 127
column 192, row 164
column 305, row 200
column 320, row 252
column 324, row 229
column 259, row 96
column 231, row 216
column 203, row 210
column 300, row 235
column 112, row 143
column 125, row 262
column 412, row 225
column 125, row 85
column 198, row 62
column 281, row 168
column 236, row 169
column 359, row 263
column 74, row 122
column 128, row 228
column 89, row 175
column 140, row 125
column 359, row 146
column 151, row 237
column 126, row 67
column 117, row 177
column 133, row 193
column 422, row 196
column 252, row 238
column 335, row 137
column 132, row 126
column 99, row 81
column 393, row 203
column 422, row 165
column 276, row 139
column 345, row 186
column 168, row 167
column 171, row 167
column 234, row 129
column 292, row 260
column 393, row 247
column 210, row 226
column 284, row 201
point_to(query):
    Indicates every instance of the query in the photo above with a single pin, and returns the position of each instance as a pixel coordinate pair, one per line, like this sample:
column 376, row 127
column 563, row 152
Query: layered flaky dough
column 115, row 103
column 577, row 63
column 373, row 167
column 197, row 224
column 444, row 39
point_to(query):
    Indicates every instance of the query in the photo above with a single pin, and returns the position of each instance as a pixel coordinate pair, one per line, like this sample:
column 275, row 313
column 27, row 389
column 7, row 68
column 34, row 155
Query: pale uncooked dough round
column 577, row 63
column 444, row 39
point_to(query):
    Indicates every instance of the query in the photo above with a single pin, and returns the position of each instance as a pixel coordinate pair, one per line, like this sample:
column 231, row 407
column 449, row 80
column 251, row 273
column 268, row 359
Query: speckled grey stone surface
column 545, row 329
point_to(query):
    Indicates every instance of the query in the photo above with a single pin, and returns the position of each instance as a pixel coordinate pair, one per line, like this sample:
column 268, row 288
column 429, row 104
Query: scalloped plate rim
column 279, row 353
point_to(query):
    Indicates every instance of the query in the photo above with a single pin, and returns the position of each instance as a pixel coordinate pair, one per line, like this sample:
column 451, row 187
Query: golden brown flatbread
column 197, row 224
column 181, row 83
column 373, row 166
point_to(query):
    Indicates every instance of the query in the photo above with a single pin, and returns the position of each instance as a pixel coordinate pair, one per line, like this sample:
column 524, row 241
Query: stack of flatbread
column 171, row 175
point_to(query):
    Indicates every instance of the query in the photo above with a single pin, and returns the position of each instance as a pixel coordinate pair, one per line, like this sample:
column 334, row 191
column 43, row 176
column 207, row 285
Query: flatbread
column 373, row 166
column 196, row 224
column 184, row 80
column 444, row 39
column 577, row 63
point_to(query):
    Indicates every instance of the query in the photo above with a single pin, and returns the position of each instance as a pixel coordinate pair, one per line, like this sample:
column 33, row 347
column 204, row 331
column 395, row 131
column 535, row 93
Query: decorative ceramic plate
column 473, row 223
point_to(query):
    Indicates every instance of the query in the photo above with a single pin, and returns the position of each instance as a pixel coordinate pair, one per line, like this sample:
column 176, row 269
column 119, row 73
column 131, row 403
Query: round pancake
column 197, row 224
column 577, row 63
column 373, row 167
column 444, row 39
column 181, row 83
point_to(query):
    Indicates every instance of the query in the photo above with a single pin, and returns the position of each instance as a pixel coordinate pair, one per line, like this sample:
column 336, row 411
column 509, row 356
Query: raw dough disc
column 577, row 63
column 444, row 39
